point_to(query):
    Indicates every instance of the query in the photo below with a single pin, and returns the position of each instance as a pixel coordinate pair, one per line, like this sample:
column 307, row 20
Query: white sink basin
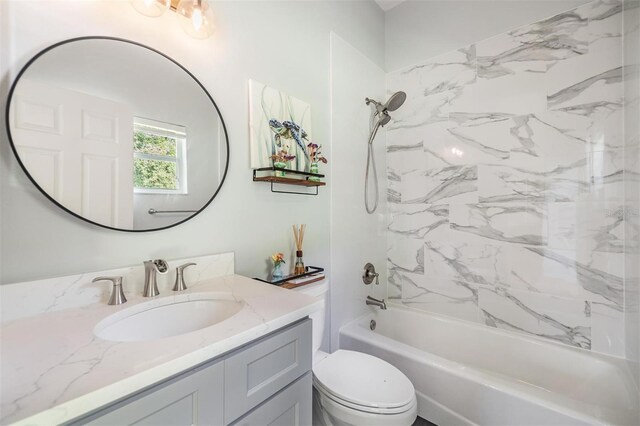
column 169, row 316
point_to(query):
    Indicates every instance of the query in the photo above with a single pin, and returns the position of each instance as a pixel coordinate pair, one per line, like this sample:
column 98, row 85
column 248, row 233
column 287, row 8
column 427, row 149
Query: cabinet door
column 194, row 399
column 263, row 368
column 290, row 407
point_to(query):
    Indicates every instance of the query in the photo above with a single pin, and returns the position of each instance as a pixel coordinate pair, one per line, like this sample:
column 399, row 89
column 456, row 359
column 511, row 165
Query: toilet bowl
column 354, row 388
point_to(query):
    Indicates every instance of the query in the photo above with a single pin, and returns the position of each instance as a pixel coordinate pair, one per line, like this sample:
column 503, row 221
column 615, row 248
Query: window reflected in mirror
column 159, row 157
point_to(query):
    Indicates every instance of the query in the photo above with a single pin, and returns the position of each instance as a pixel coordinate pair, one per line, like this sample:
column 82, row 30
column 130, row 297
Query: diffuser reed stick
column 298, row 234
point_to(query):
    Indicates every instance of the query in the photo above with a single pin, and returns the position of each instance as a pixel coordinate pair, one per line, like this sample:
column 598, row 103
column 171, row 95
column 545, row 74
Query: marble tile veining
column 394, row 283
column 605, row 86
column 563, row 320
column 597, row 226
column 523, row 223
column 406, row 254
column 458, row 260
column 443, row 73
column 502, row 183
column 533, row 48
column 417, row 220
column 514, row 176
column 452, row 298
column 600, row 276
column 448, row 184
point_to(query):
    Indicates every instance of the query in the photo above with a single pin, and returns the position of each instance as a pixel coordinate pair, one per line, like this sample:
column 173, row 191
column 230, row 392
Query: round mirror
column 117, row 134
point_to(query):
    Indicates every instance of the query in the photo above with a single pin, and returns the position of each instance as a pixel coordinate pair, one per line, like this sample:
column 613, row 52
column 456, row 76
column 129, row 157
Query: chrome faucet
column 151, row 269
column 375, row 302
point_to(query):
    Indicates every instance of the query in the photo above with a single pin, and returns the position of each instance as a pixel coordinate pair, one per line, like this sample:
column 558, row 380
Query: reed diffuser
column 298, row 233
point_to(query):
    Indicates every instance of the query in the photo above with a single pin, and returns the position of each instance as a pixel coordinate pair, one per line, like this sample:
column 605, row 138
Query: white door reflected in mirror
column 74, row 146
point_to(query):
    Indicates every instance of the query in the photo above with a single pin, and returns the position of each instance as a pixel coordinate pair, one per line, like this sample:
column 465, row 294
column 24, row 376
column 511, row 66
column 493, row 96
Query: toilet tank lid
column 363, row 379
column 314, row 289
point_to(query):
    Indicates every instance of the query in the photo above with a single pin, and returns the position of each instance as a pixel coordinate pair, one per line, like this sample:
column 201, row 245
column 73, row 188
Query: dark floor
column 422, row 422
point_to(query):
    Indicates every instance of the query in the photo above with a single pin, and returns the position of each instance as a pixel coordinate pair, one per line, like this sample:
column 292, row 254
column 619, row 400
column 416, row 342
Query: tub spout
column 375, row 302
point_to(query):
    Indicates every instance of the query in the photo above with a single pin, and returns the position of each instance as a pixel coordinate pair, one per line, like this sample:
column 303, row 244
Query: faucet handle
column 180, row 284
column 117, row 295
column 161, row 266
column 369, row 273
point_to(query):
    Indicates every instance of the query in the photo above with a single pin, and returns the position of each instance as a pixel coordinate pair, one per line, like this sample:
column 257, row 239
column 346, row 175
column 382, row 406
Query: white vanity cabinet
column 267, row 381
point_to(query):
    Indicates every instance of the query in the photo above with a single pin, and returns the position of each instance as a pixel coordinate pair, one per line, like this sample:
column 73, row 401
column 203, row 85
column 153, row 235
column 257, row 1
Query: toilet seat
column 361, row 408
column 331, row 413
column 363, row 382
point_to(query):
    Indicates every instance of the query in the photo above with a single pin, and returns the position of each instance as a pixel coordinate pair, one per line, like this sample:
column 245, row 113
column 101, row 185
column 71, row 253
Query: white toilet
column 354, row 388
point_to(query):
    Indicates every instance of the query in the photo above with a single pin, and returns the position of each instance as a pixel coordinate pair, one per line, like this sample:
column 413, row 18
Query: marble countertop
column 55, row 369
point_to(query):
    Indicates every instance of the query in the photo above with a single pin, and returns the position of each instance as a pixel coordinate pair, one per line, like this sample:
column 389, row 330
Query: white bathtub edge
column 357, row 330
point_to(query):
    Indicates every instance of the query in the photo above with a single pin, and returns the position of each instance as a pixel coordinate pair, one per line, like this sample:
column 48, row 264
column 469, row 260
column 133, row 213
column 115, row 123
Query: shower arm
column 371, row 101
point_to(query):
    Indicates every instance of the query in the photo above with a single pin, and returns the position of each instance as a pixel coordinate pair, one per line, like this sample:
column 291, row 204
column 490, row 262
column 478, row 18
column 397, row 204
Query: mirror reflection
column 118, row 134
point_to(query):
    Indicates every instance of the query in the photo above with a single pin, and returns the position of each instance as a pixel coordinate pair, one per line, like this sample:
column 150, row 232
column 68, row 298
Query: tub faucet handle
column 117, row 295
column 180, row 285
column 369, row 274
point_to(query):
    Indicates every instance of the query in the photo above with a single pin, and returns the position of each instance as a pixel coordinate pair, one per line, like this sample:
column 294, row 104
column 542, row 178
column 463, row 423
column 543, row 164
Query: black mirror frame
column 26, row 171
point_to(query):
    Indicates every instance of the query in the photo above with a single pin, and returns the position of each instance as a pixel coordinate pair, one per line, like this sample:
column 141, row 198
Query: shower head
column 382, row 113
column 395, row 101
column 384, row 119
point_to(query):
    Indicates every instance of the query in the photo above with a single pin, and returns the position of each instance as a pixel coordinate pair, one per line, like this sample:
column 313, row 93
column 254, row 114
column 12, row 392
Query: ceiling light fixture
column 152, row 8
column 196, row 16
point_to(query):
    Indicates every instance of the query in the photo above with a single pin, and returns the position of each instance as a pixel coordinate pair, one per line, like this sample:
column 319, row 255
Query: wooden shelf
column 302, row 180
column 289, row 181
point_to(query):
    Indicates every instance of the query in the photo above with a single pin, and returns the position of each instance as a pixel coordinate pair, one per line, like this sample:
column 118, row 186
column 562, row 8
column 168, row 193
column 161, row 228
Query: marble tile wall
column 631, row 56
column 506, row 171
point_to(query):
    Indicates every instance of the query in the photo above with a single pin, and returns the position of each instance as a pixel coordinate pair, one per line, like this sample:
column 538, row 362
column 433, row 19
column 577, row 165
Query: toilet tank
column 319, row 290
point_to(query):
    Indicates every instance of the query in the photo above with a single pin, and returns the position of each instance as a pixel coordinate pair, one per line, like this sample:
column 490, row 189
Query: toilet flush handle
column 369, row 273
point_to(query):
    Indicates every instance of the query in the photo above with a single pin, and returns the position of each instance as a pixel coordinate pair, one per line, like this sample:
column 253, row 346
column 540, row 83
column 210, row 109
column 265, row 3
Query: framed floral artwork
column 280, row 128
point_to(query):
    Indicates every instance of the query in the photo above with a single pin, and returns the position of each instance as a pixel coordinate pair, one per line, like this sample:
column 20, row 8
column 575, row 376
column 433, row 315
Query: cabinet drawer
column 291, row 407
column 263, row 368
column 192, row 399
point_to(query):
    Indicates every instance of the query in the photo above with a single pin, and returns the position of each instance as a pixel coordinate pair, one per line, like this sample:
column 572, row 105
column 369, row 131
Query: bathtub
column 469, row 374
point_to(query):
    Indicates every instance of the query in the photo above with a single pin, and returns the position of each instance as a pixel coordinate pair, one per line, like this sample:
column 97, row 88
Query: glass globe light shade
column 152, row 8
column 196, row 18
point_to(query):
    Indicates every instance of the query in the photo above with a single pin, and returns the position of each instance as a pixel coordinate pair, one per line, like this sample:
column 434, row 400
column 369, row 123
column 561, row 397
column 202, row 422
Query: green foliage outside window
column 151, row 173
column 154, row 174
column 151, row 144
